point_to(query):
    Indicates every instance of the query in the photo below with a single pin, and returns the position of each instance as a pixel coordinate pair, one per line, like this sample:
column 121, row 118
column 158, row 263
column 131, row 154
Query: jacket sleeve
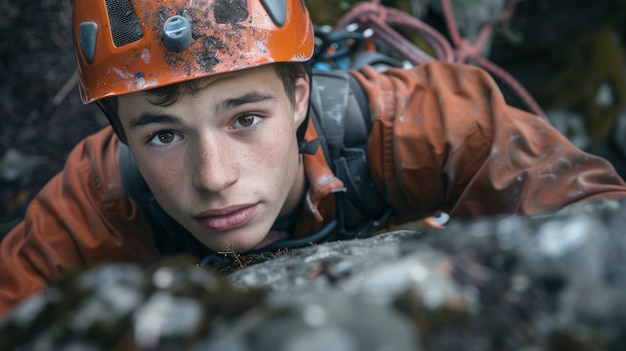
column 80, row 218
column 443, row 138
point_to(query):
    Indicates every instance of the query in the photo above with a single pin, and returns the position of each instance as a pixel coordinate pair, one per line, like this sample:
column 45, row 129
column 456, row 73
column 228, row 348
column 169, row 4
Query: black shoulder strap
column 340, row 113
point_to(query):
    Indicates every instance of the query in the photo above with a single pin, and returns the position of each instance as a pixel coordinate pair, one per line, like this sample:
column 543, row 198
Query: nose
column 215, row 167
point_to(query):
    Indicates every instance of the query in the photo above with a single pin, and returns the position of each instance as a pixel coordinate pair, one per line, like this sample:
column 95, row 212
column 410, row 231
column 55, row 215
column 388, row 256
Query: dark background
column 560, row 50
column 39, row 118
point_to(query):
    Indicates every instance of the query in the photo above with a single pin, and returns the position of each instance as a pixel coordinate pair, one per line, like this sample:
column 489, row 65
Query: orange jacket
column 442, row 138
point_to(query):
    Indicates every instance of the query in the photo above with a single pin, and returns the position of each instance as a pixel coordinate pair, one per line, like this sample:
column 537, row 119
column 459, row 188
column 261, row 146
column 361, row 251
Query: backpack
column 340, row 113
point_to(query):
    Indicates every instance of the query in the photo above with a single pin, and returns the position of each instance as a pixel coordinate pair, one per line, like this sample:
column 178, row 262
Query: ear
column 302, row 92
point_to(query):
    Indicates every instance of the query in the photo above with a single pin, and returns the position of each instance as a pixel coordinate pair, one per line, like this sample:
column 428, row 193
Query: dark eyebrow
column 148, row 118
column 247, row 98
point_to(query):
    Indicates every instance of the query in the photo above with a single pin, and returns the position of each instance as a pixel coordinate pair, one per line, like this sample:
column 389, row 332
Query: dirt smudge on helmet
column 203, row 51
column 230, row 11
column 207, row 58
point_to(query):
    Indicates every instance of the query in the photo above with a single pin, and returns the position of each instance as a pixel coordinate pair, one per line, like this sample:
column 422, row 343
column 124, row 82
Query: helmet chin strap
column 307, row 147
column 114, row 120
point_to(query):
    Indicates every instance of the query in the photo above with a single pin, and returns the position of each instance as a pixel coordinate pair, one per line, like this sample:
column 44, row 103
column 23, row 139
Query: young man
column 222, row 140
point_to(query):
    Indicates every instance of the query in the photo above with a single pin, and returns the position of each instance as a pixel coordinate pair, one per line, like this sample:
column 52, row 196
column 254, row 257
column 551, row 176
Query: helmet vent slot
column 277, row 10
column 125, row 27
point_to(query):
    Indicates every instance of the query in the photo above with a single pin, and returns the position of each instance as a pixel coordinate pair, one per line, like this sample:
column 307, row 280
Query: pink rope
column 379, row 18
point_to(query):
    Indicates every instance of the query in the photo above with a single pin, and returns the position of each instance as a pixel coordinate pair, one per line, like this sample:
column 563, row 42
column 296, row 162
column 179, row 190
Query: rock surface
column 552, row 282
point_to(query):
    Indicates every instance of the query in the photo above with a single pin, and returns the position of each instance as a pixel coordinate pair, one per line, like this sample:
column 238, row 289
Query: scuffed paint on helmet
column 121, row 49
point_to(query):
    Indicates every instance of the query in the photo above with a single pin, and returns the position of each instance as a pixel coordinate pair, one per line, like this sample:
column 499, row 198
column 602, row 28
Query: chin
column 233, row 242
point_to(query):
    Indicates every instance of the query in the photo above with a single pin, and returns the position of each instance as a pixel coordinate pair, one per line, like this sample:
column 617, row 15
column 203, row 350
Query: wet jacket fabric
column 442, row 139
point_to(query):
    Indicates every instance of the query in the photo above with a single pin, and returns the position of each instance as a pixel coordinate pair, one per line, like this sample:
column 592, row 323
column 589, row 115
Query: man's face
column 224, row 161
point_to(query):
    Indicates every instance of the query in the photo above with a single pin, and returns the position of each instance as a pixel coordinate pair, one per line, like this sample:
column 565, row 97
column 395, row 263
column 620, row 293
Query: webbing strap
column 340, row 113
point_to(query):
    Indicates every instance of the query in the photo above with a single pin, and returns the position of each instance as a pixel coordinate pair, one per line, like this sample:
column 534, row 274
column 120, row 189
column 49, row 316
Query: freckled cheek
column 163, row 176
column 278, row 154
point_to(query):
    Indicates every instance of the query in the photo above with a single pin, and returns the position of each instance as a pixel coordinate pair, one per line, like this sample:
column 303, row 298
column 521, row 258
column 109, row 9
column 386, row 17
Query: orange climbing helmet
column 125, row 46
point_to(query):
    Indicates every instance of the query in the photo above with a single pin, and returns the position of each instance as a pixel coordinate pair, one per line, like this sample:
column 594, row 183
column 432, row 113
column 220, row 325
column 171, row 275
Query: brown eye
column 246, row 121
column 165, row 137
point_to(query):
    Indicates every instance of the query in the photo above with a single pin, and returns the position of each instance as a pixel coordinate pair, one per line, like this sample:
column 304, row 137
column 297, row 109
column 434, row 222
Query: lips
column 228, row 218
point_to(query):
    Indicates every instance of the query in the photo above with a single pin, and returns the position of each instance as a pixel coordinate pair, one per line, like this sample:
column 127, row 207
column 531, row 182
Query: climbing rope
column 377, row 20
